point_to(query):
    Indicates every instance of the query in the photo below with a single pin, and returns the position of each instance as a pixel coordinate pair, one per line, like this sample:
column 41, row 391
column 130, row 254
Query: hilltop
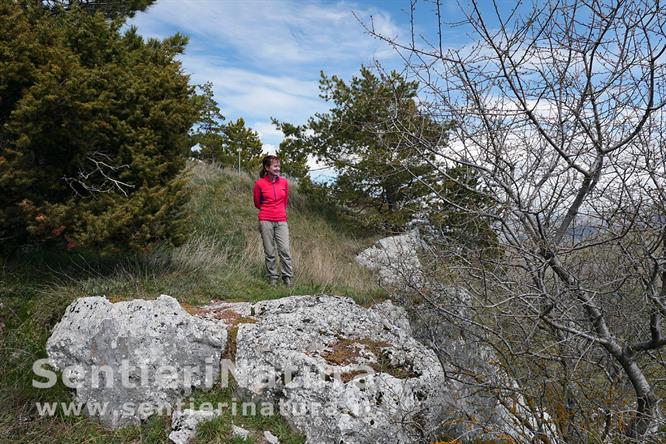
column 221, row 260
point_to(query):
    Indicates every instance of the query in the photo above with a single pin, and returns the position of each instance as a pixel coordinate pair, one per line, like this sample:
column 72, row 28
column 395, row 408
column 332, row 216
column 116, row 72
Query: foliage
column 239, row 138
column 377, row 138
column 560, row 112
column 222, row 143
column 293, row 152
column 379, row 172
column 208, row 134
column 453, row 213
column 93, row 131
column 110, row 9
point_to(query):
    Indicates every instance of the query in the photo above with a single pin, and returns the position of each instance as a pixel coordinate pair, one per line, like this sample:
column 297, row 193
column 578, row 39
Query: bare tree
column 99, row 178
column 558, row 110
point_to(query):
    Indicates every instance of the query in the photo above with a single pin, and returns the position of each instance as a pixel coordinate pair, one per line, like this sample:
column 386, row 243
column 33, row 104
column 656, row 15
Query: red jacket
column 271, row 198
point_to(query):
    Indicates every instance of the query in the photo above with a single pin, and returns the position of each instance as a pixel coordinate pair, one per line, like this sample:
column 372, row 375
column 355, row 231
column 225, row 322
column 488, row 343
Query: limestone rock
column 145, row 354
column 338, row 371
column 395, row 259
column 469, row 411
column 184, row 424
column 270, row 438
column 239, row 432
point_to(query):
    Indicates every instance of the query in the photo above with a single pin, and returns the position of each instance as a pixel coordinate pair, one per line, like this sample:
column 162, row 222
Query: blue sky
column 264, row 56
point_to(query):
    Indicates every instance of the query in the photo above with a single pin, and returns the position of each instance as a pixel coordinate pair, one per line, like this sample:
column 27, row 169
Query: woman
column 271, row 194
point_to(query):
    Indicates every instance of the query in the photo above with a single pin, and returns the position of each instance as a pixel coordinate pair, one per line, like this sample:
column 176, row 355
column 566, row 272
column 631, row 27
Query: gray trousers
column 276, row 233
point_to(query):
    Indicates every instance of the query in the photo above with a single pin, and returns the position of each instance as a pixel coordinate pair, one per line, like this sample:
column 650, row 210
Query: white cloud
column 320, row 172
column 267, row 130
column 264, row 56
column 269, row 148
column 244, row 93
column 273, row 33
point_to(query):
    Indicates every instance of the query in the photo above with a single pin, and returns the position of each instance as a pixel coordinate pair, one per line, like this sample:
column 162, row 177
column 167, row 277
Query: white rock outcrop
column 184, row 424
column 270, row 438
column 471, row 411
column 395, row 259
column 134, row 358
column 239, row 432
column 339, row 372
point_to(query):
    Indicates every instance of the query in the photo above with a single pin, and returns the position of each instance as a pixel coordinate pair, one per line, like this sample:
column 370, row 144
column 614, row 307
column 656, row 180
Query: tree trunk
column 647, row 411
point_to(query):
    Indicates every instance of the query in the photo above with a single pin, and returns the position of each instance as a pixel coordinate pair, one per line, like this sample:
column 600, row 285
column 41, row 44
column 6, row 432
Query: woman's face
column 274, row 169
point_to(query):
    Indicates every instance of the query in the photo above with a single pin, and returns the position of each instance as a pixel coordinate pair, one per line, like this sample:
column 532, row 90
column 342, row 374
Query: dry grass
column 322, row 253
column 347, row 351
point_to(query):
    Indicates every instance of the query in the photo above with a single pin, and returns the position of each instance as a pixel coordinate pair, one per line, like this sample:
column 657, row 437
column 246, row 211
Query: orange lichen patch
column 373, row 346
column 228, row 316
column 113, row 299
column 346, row 350
column 341, row 353
column 191, row 309
column 232, row 335
column 348, row 376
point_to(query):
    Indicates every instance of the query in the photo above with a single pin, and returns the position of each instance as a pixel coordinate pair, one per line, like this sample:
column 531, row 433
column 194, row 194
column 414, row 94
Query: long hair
column 268, row 160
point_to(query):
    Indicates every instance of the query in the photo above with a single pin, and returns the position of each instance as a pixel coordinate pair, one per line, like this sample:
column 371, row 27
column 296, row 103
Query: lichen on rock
column 339, row 371
column 135, row 358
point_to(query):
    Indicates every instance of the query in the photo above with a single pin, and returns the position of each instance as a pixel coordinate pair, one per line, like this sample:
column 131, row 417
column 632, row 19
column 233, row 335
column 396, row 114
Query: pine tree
column 237, row 137
column 293, row 152
column 223, row 143
column 93, row 131
column 110, row 8
column 380, row 174
column 209, row 133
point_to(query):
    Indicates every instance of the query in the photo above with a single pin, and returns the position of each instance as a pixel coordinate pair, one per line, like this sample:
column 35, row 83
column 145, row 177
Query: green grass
column 223, row 260
column 219, row 429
